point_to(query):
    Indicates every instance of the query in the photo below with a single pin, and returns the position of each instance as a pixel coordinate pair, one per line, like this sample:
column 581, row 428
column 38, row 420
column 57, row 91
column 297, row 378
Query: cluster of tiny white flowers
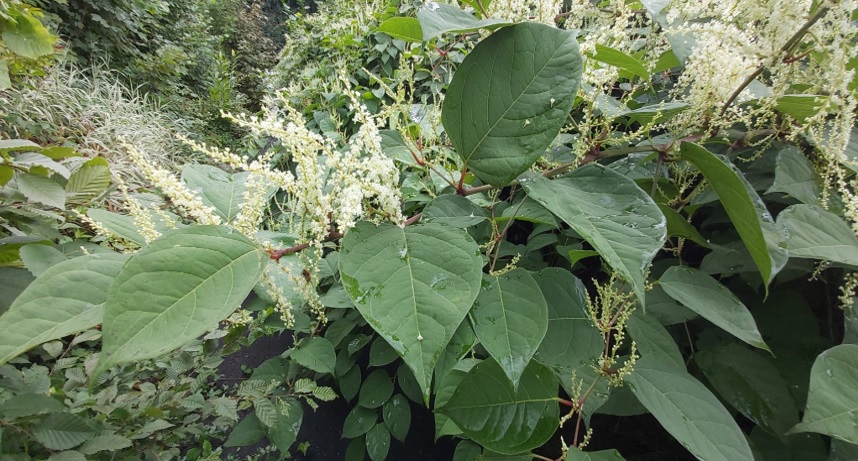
column 543, row 11
column 185, row 201
column 254, row 203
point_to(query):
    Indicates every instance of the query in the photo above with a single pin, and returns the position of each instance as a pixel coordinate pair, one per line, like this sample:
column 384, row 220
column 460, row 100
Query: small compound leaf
column 317, row 354
column 62, row 431
column 688, row 411
column 832, row 403
column 159, row 300
column 745, row 208
column 510, row 97
column 487, row 408
column 510, row 319
column 713, row 301
column 440, row 18
column 424, row 280
column 67, row 298
column 819, row 234
column 611, row 212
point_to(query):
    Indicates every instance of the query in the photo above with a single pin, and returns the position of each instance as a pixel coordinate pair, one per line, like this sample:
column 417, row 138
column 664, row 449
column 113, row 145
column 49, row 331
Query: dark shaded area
column 637, row 438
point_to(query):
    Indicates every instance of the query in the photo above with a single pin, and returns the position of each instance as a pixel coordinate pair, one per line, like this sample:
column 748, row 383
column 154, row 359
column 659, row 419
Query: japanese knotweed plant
column 618, row 215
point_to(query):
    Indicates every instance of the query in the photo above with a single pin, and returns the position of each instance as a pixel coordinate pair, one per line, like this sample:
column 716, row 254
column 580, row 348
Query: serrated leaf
column 249, row 431
column 159, row 301
column 378, row 442
column 487, row 408
column 794, row 176
column 407, row 29
column 89, row 180
column 104, row 443
column 832, row 403
column 510, row 319
column 265, row 411
column 67, row 298
column 32, row 159
column 745, row 208
column 317, row 354
column 819, row 234
column 713, row 301
column 510, row 97
column 42, row 190
column 62, row 431
column 688, row 411
column 23, row 405
column 440, row 18
column 397, row 416
column 376, row 389
column 611, row 212
column 424, row 280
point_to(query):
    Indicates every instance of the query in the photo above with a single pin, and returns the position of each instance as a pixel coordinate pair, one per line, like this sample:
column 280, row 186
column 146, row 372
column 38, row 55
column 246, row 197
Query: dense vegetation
column 518, row 218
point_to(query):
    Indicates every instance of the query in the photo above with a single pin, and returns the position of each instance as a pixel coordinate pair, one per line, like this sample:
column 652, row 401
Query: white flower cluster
column 544, row 11
column 182, row 198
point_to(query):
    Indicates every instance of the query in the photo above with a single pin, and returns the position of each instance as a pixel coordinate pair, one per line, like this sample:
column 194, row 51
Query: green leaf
column 611, row 212
column 440, row 18
column 487, row 408
column 285, row 431
column 265, row 411
column 33, row 159
column 621, row 60
column 653, row 340
column 23, row 405
column 175, row 289
column 510, row 319
column 575, row 454
column 38, row 258
column 842, row 451
column 444, row 390
column 743, row 205
column 750, row 384
column 407, row 29
column 317, row 354
column 703, row 294
column 800, row 106
column 654, row 113
column 397, row 416
column 358, row 422
column 510, row 97
column 69, row 455
column 61, row 431
column 423, row 281
column 7, row 145
column 794, row 176
column 5, row 84
column 42, row 190
column 453, row 210
column 688, row 411
column 381, row 354
column 119, row 225
column 832, row 403
column 15, row 281
column 67, row 298
column 26, row 36
column 571, row 341
column 378, row 442
column 217, row 188
column 376, row 389
column 677, row 226
column 249, row 431
column 797, row 447
column 6, row 174
column 104, row 443
column 819, row 234
column 467, row 450
column 89, row 180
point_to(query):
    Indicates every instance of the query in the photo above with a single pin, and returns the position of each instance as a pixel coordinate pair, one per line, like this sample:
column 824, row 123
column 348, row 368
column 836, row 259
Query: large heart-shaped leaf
column 175, row 289
column 487, row 408
column 510, row 97
column 68, row 297
column 745, row 208
column 611, row 212
column 751, row 384
column 414, row 286
column 440, row 18
column 688, row 411
column 819, row 234
column 510, row 319
column 703, row 294
column 832, row 403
